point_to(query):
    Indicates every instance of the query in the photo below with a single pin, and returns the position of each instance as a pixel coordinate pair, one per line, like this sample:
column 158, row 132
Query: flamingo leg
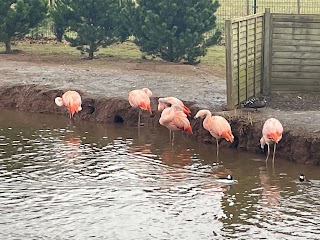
column 172, row 136
column 139, row 118
column 274, row 152
column 217, row 149
column 268, row 152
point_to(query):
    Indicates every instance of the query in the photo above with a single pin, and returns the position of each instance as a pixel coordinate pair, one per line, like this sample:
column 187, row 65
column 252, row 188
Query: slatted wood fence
column 244, row 38
column 272, row 52
column 295, row 53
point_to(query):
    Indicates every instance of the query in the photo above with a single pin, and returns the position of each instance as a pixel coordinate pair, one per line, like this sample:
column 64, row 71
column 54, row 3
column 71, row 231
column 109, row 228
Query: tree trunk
column 8, row 46
column 91, row 52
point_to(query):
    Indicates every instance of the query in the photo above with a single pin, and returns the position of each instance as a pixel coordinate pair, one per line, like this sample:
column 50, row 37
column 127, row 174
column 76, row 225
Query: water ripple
column 66, row 181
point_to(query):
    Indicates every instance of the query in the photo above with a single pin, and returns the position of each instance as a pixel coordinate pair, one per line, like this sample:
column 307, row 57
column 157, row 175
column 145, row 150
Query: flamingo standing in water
column 175, row 119
column 168, row 101
column 140, row 98
column 70, row 99
column 271, row 133
column 217, row 126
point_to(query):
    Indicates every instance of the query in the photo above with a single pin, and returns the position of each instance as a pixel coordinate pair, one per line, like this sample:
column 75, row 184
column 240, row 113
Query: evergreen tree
column 174, row 30
column 96, row 23
column 60, row 14
column 17, row 17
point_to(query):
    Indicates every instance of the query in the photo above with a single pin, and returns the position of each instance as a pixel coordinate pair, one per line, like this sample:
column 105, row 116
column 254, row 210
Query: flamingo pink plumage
column 70, row 99
column 175, row 119
column 140, row 98
column 271, row 133
column 218, row 126
column 168, row 101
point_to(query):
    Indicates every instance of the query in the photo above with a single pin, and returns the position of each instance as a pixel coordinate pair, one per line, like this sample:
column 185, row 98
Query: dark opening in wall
column 118, row 119
column 91, row 109
column 235, row 142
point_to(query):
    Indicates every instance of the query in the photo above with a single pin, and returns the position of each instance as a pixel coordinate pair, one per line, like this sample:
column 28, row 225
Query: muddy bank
column 40, row 99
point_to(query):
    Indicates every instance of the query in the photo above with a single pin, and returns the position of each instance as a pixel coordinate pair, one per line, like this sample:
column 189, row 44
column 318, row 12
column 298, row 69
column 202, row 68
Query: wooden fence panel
column 272, row 52
column 295, row 55
column 244, row 65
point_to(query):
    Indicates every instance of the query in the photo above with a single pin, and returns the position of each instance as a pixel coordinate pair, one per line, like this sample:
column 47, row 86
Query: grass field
column 60, row 52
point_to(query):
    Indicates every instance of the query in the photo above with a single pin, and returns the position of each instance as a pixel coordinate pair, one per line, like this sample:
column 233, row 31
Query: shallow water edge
column 297, row 146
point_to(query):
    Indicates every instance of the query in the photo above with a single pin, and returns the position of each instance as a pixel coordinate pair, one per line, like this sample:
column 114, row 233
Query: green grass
column 215, row 57
column 125, row 50
column 63, row 53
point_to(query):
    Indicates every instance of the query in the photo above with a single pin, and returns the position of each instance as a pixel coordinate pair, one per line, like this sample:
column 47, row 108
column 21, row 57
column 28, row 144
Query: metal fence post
column 299, row 6
column 254, row 6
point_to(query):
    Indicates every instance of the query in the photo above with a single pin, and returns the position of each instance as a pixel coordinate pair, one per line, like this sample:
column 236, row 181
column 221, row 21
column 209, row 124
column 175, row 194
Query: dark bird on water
column 303, row 179
column 255, row 103
column 226, row 180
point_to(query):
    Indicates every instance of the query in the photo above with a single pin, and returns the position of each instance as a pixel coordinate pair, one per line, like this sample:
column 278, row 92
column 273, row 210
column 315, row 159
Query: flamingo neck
column 59, row 101
column 208, row 115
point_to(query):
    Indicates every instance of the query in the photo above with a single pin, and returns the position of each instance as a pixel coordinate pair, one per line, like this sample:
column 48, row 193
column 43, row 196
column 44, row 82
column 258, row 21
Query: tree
column 174, row 30
column 61, row 14
column 96, row 23
column 17, row 17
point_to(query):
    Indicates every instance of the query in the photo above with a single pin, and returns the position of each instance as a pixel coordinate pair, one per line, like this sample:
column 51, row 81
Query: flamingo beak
column 276, row 138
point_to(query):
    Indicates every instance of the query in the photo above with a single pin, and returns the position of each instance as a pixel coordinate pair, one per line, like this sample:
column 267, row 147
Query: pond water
column 80, row 180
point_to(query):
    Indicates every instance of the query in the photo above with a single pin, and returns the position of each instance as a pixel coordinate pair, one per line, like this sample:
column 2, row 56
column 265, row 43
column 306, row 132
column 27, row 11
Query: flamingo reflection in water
column 72, row 143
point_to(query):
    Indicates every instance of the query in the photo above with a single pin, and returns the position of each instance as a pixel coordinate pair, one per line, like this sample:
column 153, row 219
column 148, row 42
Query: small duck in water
column 226, row 180
column 302, row 179
column 255, row 103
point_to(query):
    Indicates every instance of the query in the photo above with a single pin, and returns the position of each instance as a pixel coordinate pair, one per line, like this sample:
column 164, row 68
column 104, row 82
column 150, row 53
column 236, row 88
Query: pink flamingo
column 271, row 133
column 70, row 99
column 168, row 101
column 175, row 119
column 217, row 126
column 140, row 98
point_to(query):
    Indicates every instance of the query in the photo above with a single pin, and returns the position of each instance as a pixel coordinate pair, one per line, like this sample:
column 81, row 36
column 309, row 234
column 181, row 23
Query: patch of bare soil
column 294, row 101
column 115, row 78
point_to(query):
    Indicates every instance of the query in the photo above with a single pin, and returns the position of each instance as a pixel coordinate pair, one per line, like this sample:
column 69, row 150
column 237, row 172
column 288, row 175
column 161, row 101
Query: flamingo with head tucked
column 271, row 133
column 140, row 98
column 168, row 101
column 218, row 126
column 70, row 99
column 175, row 119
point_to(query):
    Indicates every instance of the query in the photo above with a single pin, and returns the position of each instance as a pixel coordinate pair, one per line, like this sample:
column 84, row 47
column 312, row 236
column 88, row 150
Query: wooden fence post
column 248, row 7
column 267, row 51
column 229, row 64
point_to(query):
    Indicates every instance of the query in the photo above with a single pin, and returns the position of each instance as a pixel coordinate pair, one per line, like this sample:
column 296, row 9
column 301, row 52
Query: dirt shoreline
column 32, row 86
